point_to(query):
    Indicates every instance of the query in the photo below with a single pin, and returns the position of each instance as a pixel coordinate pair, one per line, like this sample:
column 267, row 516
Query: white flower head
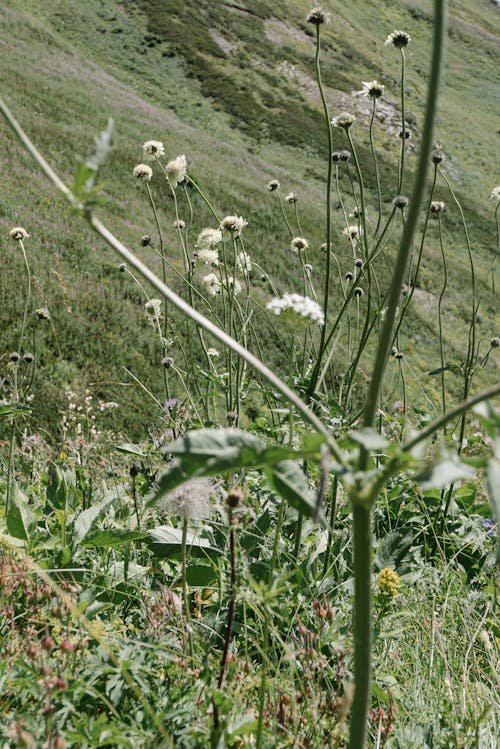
column 234, row 285
column 273, row 185
column 190, row 500
column 495, row 194
column 352, row 232
column 343, row 120
column 299, row 244
column 374, row 89
column 244, row 263
column 176, row 170
column 291, row 198
column 143, row 172
column 179, row 224
column 398, row 39
column 437, row 206
column 153, row 308
column 213, row 353
column 42, row 313
column 297, row 310
column 207, row 238
column 209, row 257
column 153, row 149
column 18, row 233
column 233, row 225
column 213, row 284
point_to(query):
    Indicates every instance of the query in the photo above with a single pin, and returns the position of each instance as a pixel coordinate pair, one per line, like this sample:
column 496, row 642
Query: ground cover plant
column 300, row 554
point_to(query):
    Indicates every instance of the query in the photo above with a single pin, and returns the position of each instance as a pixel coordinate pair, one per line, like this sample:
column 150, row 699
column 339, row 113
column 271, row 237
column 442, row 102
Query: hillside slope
column 231, row 85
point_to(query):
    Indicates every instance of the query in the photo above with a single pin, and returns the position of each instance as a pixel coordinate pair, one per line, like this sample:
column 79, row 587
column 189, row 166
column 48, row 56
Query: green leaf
column 290, row 482
column 201, row 575
column 111, row 537
column 166, row 541
column 130, row 449
column 369, row 438
column 493, row 480
column 219, row 448
column 87, row 519
column 57, row 488
column 446, row 472
column 14, row 409
column 20, row 518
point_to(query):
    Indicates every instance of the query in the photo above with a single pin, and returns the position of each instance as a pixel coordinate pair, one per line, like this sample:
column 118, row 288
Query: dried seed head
column 344, row 120
column 42, row 313
column 317, row 16
column 234, row 498
column 398, row 355
column 374, row 89
column 437, row 206
column 145, row 240
column 394, row 351
column 358, row 291
column 358, row 262
column 406, row 134
column 14, row 356
column 143, row 172
column 400, row 201
column 349, row 276
column 29, row 357
column 122, row 267
column 291, row 198
column 273, row 185
column 344, row 155
column 153, row 148
column 299, row 244
column 167, row 362
column 495, row 342
column 134, row 470
column 179, row 224
column 437, row 156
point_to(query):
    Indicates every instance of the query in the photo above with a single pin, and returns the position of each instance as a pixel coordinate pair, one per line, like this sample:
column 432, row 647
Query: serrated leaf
column 20, row 518
column 166, row 541
column 290, row 482
column 369, row 438
column 493, row 481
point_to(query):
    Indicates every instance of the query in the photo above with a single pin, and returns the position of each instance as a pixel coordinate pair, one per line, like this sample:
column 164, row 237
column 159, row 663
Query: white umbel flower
column 233, row 225
column 213, row 284
column 244, row 263
column 209, row 257
column 143, row 172
column 176, row 170
column 153, row 149
column 207, row 238
column 297, row 309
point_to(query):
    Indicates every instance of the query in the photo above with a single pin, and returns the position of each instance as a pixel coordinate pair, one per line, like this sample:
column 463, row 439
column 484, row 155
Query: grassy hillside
column 231, row 85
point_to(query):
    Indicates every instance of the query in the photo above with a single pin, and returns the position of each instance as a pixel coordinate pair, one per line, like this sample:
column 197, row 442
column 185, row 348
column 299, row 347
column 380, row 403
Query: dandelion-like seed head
column 437, row 207
column 291, row 198
column 299, row 244
column 42, row 313
column 153, row 149
column 207, row 238
column 244, row 263
column 374, row 89
column 18, row 233
column 388, row 583
column 153, row 308
column 495, row 194
column 317, row 16
column 437, row 156
column 191, row 500
column 400, row 201
column 233, row 225
column 143, row 172
column 273, row 185
column 176, row 170
column 297, row 310
column 179, row 224
column 212, row 283
column 344, row 120
column 495, row 342
column 209, row 257
column 398, row 39
column 352, row 231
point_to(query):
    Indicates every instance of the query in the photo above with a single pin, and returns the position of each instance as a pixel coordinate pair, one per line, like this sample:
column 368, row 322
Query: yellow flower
column 388, row 584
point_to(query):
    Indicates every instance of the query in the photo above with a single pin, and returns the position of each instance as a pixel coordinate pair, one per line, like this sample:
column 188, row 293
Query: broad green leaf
column 20, row 518
column 166, row 541
column 290, row 482
column 493, row 479
column 130, row 449
column 87, row 519
column 219, row 448
column 57, row 488
column 112, row 537
column 132, row 570
column 369, row 438
column 446, row 472
column 201, row 575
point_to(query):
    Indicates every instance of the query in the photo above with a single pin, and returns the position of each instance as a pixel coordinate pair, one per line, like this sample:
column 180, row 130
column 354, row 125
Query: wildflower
column 153, row 149
column 244, row 263
column 207, row 238
column 317, row 16
column 191, row 500
column 349, row 276
column 179, row 224
column 358, row 291
column 400, row 201
column 176, row 170
column 489, row 526
column 495, row 342
column 273, row 185
column 172, row 403
column 437, row 206
column 398, row 39
column 388, row 584
column 167, row 362
column 213, row 284
column 291, row 198
column 352, row 232
column 18, row 233
column 209, row 257
column 143, row 172
column 495, row 194
column 374, row 89
column 122, row 267
column 299, row 244
column 358, row 262
column 14, row 356
column 42, row 313
column 343, row 120
column 234, row 285
column 399, row 355
column 233, row 225
column 145, row 240
column 153, row 308
column 213, row 353
column 404, row 134
column 356, row 212
column 308, row 268
column 437, row 156
column 343, row 155
column 295, row 309
column 29, row 357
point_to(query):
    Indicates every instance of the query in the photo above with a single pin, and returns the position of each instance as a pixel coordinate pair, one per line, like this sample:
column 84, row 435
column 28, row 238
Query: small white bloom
column 299, row 244
column 291, row 198
column 179, row 224
column 209, row 257
column 213, row 284
column 233, row 225
column 18, row 233
column 153, row 308
column 352, row 232
column 297, row 309
column 343, row 120
column 273, row 185
column 212, row 352
column 495, row 193
column 176, row 170
column 374, row 89
column 244, row 263
column 398, row 39
column 153, row 149
column 234, row 285
column 143, row 172
column 207, row 238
